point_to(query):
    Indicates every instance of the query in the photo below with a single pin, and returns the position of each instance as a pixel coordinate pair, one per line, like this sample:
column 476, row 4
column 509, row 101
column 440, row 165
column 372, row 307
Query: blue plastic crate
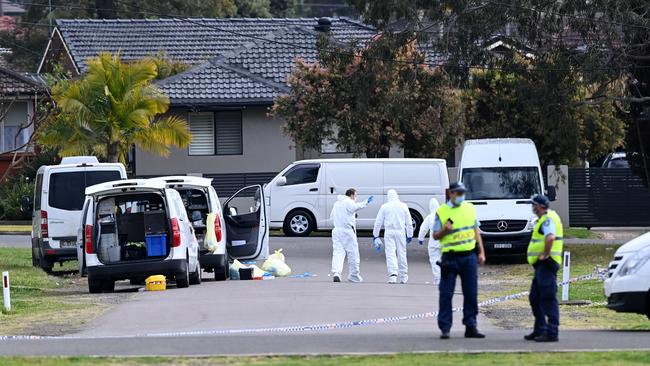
column 156, row 245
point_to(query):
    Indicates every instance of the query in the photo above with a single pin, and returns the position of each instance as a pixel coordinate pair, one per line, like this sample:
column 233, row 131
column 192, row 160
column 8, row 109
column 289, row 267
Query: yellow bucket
column 156, row 283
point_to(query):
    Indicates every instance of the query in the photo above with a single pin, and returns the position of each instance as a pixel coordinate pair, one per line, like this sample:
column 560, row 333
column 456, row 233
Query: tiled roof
column 13, row 83
column 191, row 41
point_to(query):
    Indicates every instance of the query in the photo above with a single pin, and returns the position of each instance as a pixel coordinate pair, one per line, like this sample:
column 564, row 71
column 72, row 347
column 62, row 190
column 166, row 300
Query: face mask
column 459, row 200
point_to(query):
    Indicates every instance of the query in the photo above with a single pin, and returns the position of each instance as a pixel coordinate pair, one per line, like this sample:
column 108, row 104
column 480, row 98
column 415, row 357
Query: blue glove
column 421, row 242
column 377, row 243
column 370, row 199
column 409, row 240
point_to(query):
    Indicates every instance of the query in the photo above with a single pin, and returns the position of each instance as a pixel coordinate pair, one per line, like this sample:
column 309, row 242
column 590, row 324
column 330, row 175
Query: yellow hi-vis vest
column 463, row 236
column 536, row 246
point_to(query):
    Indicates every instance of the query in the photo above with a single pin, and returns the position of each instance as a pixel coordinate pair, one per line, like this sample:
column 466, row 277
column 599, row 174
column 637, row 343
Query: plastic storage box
column 156, row 245
column 156, row 283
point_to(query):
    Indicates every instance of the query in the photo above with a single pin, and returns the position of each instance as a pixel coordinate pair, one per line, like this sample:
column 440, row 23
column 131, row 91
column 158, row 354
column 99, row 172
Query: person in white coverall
column 395, row 217
column 344, row 235
column 434, row 245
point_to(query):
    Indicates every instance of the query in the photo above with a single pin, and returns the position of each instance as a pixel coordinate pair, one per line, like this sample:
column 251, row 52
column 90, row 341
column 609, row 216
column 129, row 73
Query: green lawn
column 580, row 233
column 546, row 358
column 15, row 228
column 40, row 303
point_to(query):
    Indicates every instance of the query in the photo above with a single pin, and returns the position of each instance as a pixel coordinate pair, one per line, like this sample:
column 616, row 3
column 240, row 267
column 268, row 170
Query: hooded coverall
column 395, row 217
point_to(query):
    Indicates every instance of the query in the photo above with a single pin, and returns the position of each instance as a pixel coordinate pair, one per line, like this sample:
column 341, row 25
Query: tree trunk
column 105, row 9
column 113, row 152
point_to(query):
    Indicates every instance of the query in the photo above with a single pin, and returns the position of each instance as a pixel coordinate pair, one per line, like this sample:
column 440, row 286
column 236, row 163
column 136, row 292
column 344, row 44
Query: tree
column 369, row 99
column 545, row 107
column 113, row 106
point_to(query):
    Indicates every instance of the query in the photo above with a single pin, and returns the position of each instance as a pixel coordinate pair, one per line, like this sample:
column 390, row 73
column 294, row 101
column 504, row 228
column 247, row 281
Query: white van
column 627, row 285
column 134, row 229
column 58, row 201
column 501, row 175
column 301, row 197
column 201, row 199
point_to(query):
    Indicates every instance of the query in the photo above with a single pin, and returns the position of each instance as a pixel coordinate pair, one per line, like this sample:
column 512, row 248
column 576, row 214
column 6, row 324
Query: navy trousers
column 467, row 268
column 543, row 298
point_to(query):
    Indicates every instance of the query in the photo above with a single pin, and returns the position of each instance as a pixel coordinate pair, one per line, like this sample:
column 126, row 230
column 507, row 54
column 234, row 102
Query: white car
column 58, row 200
column 627, row 285
column 134, row 229
column 301, row 197
column 242, row 235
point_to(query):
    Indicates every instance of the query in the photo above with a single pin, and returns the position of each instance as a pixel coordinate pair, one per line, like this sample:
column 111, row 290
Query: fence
column 607, row 197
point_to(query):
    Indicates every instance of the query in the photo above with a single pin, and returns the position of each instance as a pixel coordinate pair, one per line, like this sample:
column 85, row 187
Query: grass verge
column 580, row 233
column 572, row 358
column 501, row 280
column 15, row 228
column 43, row 304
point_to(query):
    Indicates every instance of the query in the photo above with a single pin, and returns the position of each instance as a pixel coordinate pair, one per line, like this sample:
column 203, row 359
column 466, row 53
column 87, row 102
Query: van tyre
column 34, row 259
column 221, row 273
column 94, row 286
column 108, row 286
column 416, row 220
column 183, row 278
column 195, row 277
column 298, row 223
column 45, row 264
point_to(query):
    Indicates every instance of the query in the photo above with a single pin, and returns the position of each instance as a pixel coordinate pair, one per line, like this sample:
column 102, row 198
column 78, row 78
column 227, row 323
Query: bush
column 11, row 194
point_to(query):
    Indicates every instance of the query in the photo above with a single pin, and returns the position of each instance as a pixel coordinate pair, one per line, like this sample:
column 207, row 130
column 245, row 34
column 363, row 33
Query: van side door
column 247, row 230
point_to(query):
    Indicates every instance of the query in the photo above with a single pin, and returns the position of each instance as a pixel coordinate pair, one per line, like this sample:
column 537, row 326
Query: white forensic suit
column 395, row 217
column 433, row 245
column 344, row 237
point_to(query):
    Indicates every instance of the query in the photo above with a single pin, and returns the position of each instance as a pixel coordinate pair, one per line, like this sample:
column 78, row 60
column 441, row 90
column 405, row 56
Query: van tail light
column 89, row 239
column 44, row 229
column 217, row 227
column 176, row 233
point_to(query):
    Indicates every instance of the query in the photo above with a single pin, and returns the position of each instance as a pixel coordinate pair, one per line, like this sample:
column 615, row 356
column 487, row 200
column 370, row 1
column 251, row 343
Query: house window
column 12, row 137
column 216, row 133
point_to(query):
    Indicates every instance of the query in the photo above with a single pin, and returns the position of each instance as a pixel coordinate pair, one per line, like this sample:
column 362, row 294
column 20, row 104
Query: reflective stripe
column 537, row 254
column 461, row 229
column 456, row 243
column 541, row 240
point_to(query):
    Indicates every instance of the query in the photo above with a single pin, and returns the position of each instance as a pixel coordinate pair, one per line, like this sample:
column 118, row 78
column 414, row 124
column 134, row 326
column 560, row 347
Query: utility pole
column 49, row 16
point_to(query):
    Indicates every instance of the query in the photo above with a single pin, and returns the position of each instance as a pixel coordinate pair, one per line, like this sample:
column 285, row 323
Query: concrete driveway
column 193, row 317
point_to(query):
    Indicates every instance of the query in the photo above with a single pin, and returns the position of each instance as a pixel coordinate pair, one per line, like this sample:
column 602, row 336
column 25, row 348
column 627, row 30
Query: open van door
column 247, row 230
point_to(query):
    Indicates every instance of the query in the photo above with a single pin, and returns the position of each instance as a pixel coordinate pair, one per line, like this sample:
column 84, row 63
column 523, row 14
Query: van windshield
column 67, row 190
column 501, row 183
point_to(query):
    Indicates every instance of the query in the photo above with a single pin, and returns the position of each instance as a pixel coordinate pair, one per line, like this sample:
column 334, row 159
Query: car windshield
column 618, row 163
column 501, row 183
column 67, row 190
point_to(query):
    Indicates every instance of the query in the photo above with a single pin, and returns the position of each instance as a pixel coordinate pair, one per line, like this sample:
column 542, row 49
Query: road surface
column 135, row 327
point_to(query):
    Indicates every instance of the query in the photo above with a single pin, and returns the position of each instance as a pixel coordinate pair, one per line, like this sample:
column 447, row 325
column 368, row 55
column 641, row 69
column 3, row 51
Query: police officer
column 456, row 227
column 545, row 255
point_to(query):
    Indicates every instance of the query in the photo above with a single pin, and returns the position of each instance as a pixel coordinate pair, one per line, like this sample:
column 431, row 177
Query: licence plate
column 68, row 244
column 502, row 246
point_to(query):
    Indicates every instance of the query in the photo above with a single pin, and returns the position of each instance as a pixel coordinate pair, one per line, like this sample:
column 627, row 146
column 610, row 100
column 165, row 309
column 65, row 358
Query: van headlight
column 634, row 262
column 531, row 224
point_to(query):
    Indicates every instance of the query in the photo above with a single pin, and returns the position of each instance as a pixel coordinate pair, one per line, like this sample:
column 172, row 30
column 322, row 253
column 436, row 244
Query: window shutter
column 229, row 133
column 202, row 130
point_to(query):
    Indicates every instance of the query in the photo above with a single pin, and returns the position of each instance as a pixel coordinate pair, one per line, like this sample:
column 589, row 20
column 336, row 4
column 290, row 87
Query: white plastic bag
column 276, row 265
column 210, row 239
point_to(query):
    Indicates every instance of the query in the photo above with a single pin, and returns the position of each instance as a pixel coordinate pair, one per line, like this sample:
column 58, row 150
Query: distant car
column 134, row 229
column 56, row 207
column 616, row 160
column 242, row 236
column 627, row 285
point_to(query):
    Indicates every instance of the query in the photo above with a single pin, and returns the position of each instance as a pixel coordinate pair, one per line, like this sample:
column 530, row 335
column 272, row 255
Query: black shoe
column 471, row 332
column 337, row 278
column 531, row 336
column 444, row 335
column 546, row 338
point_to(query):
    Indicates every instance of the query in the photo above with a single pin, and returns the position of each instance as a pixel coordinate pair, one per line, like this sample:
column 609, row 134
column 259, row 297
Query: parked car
column 616, row 160
column 627, row 285
column 134, row 229
column 201, row 199
column 300, row 198
column 57, row 204
column 501, row 175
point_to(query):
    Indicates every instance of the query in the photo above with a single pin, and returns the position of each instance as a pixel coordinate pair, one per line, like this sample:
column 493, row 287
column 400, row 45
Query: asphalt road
column 134, row 327
column 15, row 241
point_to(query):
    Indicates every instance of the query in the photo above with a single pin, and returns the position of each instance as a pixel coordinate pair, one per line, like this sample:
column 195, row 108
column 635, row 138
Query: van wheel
column 183, row 278
column 108, row 286
column 221, row 273
column 34, row 259
column 416, row 220
column 647, row 302
column 298, row 223
column 94, row 286
column 195, row 277
column 46, row 265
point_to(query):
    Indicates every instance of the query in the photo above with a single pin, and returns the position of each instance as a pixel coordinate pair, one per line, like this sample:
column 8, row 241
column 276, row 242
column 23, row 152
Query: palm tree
column 113, row 106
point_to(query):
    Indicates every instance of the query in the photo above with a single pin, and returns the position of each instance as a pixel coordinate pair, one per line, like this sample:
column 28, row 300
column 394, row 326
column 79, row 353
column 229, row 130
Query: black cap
column 541, row 200
column 457, row 187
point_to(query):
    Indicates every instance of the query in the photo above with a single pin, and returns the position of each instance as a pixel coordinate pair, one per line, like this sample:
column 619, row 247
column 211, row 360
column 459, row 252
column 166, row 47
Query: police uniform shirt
column 437, row 225
column 548, row 227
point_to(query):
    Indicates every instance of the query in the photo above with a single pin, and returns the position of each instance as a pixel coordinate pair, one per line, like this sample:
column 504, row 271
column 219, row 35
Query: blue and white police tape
column 597, row 274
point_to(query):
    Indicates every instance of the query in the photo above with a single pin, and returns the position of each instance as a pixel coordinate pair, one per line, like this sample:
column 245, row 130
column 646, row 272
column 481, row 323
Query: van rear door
column 247, row 231
column 65, row 199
